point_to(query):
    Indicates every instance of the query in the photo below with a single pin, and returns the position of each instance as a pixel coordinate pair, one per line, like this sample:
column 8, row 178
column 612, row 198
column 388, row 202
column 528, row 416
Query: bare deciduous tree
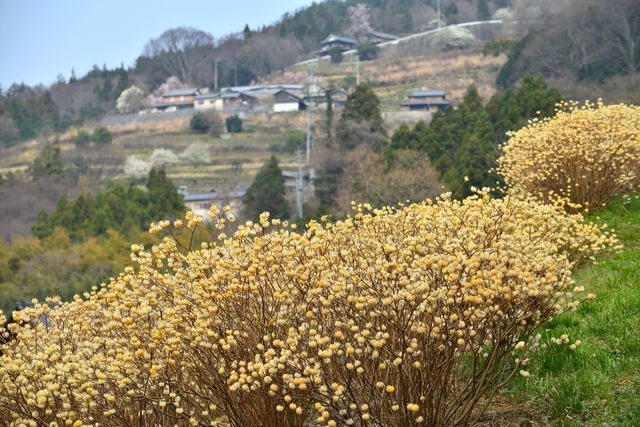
column 370, row 177
column 97, row 163
column 625, row 26
column 265, row 53
column 182, row 52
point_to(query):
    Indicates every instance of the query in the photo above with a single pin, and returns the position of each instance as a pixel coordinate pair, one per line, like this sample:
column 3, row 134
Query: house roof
column 313, row 89
column 434, row 102
column 173, row 104
column 332, row 38
column 183, row 92
column 290, row 94
column 262, row 90
column 339, row 90
column 425, row 92
column 207, row 96
column 228, row 95
column 195, row 197
column 211, row 195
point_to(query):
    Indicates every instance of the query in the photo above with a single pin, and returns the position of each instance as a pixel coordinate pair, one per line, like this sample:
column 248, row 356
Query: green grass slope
column 598, row 383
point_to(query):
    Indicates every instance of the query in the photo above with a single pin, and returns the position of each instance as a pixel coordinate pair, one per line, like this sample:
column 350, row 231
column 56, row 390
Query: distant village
column 291, row 97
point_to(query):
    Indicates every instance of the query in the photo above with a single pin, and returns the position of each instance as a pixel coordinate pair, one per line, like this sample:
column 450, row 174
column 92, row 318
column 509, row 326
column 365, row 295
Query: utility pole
column 215, row 66
column 438, row 14
column 357, row 69
column 236, row 75
column 309, row 130
column 309, row 115
column 299, row 185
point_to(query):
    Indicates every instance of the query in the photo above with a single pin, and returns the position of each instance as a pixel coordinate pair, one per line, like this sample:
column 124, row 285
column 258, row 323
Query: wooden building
column 181, row 98
column 427, row 100
column 285, row 100
column 333, row 40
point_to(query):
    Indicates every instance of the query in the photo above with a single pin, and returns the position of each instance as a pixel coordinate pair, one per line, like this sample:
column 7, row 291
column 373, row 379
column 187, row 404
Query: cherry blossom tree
column 172, row 83
column 130, row 100
column 163, row 157
column 136, row 168
column 359, row 17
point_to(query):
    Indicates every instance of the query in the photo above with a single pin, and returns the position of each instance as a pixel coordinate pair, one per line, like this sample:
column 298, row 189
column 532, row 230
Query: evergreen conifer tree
column 361, row 106
column 483, row 11
column 48, row 163
column 329, row 114
column 163, row 197
column 267, row 192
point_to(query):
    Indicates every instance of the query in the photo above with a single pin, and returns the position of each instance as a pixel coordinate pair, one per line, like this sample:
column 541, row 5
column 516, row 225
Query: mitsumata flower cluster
column 583, row 157
column 394, row 317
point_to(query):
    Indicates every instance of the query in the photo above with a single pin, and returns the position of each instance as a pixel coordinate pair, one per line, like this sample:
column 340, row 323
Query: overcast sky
column 40, row 39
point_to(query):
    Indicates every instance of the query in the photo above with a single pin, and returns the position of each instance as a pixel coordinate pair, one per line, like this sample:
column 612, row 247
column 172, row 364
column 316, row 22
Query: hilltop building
column 181, row 98
column 377, row 37
column 287, row 100
column 199, row 203
column 332, row 40
column 432, row 100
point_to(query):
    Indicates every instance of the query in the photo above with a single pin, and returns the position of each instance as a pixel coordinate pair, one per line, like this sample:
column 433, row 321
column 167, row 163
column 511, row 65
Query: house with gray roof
column 432, row 100
column 285, row 100
column 180, row 98
column 333, row 40
column 376, row 37
column 199, row 203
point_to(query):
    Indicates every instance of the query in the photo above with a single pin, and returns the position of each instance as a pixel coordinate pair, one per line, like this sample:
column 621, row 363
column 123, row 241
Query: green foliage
column 367, row 51
column 199, row 122
column 267, row 192
column 163, row 198
column 463, row 142
column 34, row 116
column 104, row 93
column 207, row 121
column 124, row 82
column 48, row 163
column 505, row 78
column 82, row 139
column 362, row 106
column 497, row 46
column 598, row 383
column 329, row 123
column 294, row 139
column 349, row 81
column 246, row 33
column 534, row 98
column 102, row 135
column 122, row 209
column 406, row 21
column 450, row 10
column 336, row 54
column 234, row 124
column 483, row 11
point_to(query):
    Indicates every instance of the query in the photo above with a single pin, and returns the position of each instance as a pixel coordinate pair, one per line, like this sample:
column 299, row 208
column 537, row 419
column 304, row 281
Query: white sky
column 40, row 39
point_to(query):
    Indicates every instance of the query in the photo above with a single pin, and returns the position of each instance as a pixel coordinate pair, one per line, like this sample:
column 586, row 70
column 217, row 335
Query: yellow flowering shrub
column 395, row 317
column 584, row 156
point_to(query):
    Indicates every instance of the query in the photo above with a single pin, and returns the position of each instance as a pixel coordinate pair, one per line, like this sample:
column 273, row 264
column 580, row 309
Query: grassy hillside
column 598, row 383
